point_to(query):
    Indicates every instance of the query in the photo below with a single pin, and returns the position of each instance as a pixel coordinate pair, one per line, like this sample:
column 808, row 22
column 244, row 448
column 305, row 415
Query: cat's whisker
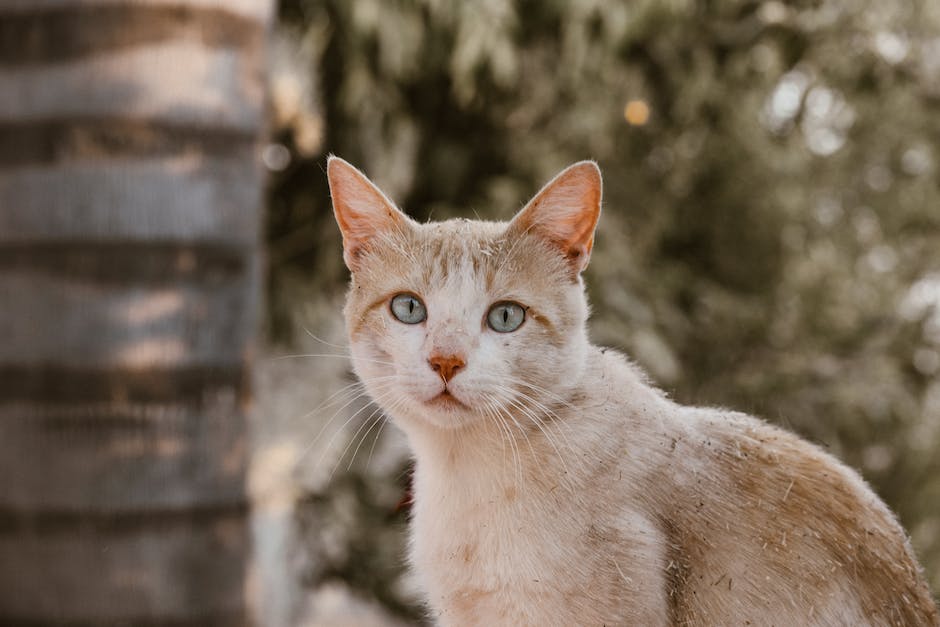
column 557, row 421
column 328, row 422
column 372, row 419
column 378, row 434
column 381, row 418
column 324, row 342
column 386, row 399
column 360, row 393
column 510, row 437
column 538, row 390
column 354, row 390
column 564, row 428
column 342, row 428
column 506, row 434
column 494, row 407
column 391, row 408
column 522, row 429
column 551, row 397
column 537, row 404
column 361, row 385
column 537, row 421
column 312, row 355
column 491, row 418
column 529, row 413
column 309, row 447
column 513, row 441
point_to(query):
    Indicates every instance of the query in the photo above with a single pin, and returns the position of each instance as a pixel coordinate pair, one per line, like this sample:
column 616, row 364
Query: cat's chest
column 482, row 563
column 503, row 538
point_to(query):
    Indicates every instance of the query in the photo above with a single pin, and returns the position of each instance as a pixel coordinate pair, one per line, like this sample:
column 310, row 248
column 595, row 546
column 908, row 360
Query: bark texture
column 130, row 198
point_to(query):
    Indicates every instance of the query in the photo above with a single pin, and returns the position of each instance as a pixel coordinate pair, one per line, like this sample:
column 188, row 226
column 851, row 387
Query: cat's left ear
column 362, row 211
column 565, row 213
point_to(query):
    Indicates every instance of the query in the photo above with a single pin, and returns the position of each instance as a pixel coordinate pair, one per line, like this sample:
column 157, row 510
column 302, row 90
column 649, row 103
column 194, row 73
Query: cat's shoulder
column 720, row 435
column 615, row 368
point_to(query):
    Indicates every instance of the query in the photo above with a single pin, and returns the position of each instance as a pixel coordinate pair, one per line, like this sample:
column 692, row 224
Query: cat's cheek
column 369, row 361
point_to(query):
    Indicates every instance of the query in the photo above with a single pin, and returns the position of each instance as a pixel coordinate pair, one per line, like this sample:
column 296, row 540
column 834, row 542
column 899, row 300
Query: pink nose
column 446, row 365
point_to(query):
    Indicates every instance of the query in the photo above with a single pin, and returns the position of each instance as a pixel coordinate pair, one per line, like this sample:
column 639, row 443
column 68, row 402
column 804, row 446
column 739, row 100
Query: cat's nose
column 446, row 365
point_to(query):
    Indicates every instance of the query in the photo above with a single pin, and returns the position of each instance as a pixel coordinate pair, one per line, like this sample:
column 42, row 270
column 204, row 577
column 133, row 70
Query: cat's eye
column 408, row 308
column 505, row 317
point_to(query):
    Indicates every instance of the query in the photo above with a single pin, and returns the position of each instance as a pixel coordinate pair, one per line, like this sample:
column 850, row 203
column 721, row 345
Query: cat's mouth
column 446, row 399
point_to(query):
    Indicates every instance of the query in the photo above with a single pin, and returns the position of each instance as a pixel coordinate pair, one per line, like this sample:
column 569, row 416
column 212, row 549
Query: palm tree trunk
column 129, row 270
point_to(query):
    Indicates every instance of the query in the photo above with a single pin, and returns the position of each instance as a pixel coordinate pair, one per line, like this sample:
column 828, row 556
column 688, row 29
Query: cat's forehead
column 458, row 255
column 460, row 237
column 461, row 255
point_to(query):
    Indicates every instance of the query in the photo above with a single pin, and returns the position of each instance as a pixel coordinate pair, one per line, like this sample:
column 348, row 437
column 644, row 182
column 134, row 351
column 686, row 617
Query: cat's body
column 677, row 516
column 553, row 485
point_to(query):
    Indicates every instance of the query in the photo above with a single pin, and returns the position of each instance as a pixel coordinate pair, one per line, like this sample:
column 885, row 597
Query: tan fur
column 568, row 491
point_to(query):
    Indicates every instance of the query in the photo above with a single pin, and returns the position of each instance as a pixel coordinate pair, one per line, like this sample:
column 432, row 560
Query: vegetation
column 771, row 230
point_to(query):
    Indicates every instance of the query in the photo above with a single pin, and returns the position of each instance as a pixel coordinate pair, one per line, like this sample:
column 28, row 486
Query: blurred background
column 770, row 242
column 771, row 231
column 770, row 239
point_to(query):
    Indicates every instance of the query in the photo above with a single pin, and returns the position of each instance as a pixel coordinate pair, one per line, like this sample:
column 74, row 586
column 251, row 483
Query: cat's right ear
column 362, row 211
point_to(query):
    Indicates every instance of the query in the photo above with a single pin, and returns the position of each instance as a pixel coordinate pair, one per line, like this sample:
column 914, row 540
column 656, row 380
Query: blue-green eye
column 505, row 317
column 408, row 308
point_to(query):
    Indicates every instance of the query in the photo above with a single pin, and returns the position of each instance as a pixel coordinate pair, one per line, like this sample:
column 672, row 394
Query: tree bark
column 130, row 200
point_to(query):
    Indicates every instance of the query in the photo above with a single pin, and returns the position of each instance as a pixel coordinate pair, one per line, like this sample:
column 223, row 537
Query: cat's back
column 767, row 527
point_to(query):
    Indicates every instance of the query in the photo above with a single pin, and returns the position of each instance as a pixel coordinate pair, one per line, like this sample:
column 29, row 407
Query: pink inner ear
column 362, row 211
column 565, row 212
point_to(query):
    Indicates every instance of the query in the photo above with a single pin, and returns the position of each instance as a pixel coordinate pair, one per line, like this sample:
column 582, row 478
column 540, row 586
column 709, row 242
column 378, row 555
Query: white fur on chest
column 497, row 552
column 482, row 541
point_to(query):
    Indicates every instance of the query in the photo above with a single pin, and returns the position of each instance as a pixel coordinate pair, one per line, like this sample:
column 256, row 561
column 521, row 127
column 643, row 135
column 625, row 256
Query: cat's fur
column 564, row 489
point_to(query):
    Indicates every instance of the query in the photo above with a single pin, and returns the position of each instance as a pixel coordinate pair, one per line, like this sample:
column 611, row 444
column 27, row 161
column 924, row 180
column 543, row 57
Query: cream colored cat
column 553, row 484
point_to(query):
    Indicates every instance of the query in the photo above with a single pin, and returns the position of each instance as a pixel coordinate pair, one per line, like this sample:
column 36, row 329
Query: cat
column 553, row 484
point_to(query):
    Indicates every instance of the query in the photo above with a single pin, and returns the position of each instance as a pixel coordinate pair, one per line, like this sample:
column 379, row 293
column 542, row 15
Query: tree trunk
column 129, row 267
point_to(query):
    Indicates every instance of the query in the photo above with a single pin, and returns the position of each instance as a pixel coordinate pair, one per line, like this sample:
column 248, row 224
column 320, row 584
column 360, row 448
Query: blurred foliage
column 354, row 507
column 771, row 230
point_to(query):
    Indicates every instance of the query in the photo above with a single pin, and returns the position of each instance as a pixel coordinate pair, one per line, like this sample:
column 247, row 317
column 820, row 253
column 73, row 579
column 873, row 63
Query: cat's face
column 458, row 322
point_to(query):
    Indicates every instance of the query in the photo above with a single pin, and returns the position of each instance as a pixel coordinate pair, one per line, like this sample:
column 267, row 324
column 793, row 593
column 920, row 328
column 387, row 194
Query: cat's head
column 454, row 323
